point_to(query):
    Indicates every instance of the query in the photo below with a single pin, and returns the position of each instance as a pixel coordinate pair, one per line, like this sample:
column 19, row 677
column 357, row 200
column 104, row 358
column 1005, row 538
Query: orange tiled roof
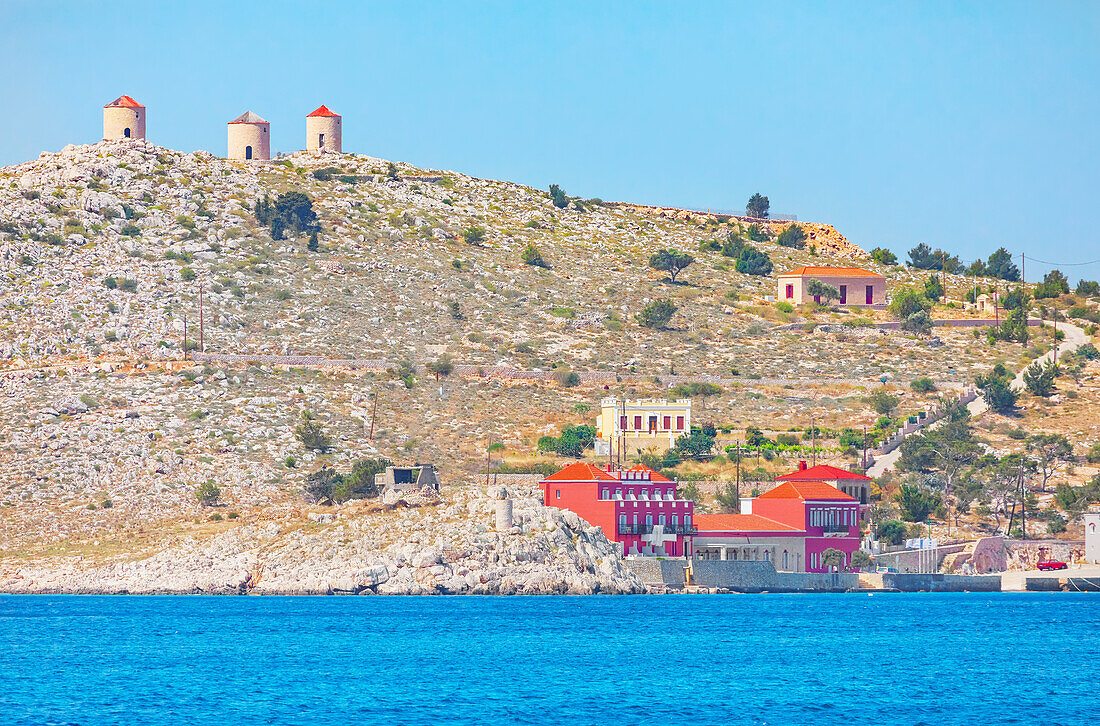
column 124, row 102
column 323, row 111
column 830, row 272
column 740, row 523
column 821, row 472
column 581, row 471
column 807, row 490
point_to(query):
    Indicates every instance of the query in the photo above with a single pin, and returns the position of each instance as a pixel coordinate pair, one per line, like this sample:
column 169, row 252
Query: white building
column 1092, row 537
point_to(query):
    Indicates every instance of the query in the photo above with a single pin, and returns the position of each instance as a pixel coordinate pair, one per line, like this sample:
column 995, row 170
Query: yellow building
column 648, row 423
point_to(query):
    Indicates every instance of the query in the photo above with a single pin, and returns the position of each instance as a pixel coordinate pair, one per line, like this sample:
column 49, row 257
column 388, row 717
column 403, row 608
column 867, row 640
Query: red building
column 636, row 507
column 789, row 526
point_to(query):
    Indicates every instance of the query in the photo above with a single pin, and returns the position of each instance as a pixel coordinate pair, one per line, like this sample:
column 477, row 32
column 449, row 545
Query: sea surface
column 938, row 659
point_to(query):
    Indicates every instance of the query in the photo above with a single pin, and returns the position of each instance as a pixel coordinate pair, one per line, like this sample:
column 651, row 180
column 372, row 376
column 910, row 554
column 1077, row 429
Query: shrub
column 127, row 285
column 1088, row 288
column 1039, row 379
column 292, row 212
column 917, row 503
column 311, row 434
column 187, row 274
column 882, row 402
column 890, row 531
column 919, row 322
column 861, row 559
column 792, row 236
column 996, row 388
column 923, row 385
column 657, row 314
column 131, row 230
column 572, row 442
column 441, row 368
column 208, row 493
column 557, row 196
column 110, row 283
column 321, row 483
column 728, row 498
column 784, row 307
column 832, row 557
column 884, row 256
column 933, row 288
column 906, row 302
column 473, row 235
column 752, row 261
column 567, row 378
column 360, row 482
column 532, row 256
column 314, row 243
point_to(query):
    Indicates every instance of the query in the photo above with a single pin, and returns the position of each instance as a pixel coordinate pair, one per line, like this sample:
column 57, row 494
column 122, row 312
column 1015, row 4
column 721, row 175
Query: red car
column 1051, row 565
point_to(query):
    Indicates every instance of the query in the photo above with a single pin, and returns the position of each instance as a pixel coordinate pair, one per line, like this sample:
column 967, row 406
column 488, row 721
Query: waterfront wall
column 932, row 582
column 761, row 577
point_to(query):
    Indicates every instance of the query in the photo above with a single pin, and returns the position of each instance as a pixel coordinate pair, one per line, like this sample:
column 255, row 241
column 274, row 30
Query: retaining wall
column 941, row 583
column 762, row 577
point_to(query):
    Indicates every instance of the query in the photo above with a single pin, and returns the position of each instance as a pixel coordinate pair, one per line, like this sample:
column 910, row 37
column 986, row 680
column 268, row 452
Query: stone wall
column 941, row 583
column 654, row 571
column 762, row 577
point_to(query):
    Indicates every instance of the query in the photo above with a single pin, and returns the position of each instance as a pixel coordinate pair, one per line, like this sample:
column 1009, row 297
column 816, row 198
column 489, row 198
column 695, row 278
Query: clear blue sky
column 964, row 125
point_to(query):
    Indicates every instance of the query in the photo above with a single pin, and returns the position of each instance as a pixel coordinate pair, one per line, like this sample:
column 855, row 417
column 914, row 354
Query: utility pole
column 738, row 468
column 373, row 415
column 813, row 441
column 184, row 337
column 1023, row 269
column 864, row 449
column 943, row 274
column 202, row 344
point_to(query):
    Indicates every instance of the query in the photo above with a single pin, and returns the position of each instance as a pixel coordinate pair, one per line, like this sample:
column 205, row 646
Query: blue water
column 698, row 660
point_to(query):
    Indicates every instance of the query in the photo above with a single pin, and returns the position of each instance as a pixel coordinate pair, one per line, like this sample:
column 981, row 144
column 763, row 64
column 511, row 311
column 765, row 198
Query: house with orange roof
column 637, row 507
column 855, row 285
column 790, row 526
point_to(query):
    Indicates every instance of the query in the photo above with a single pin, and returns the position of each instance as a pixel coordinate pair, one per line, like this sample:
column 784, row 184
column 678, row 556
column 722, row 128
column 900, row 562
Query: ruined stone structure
column 249, row 137
column 407, row 478
column 123, row 118
column 323, row 131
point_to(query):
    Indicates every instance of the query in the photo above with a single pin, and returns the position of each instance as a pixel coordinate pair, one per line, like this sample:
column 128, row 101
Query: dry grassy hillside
column 103, row 250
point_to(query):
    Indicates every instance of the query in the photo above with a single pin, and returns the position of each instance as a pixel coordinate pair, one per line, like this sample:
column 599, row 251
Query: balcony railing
column 835, row 528
column 641, row 528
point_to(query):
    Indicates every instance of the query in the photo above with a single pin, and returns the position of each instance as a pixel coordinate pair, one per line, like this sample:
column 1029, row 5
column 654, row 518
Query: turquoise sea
column 933, row 659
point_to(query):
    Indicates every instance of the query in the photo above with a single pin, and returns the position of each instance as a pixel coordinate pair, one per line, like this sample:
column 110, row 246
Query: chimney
column 802, row 465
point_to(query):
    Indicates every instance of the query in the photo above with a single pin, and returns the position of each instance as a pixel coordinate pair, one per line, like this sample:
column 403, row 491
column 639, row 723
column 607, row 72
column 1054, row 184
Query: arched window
column 248, row 152
column 126, row 133
column 786, row 560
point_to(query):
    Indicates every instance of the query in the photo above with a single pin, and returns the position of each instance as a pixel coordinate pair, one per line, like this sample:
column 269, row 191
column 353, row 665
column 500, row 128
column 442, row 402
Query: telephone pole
column 813, row 441
column 1023, row 269
column 202, row 344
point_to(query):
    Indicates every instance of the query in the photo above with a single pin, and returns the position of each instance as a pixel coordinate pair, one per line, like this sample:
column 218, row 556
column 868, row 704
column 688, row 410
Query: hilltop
column 104, row 249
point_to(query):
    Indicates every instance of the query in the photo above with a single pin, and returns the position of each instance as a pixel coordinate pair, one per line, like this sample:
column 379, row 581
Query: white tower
column 123, row 118
column 249, row 137
column 323, row 131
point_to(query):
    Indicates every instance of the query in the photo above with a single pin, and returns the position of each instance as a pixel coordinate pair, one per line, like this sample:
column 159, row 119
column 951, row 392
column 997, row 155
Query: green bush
column 784, row 307
column 657, row 314
column 208, row 493
column 311, row 434
column 670, row 261
column 890, row 531
column 923, row 385
column 792, row 236
column 473, row 235
column 532, row 256
column 907, row 302
column 187, row 274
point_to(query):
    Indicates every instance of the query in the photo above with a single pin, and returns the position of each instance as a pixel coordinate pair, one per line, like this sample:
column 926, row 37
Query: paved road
column 1075, row 338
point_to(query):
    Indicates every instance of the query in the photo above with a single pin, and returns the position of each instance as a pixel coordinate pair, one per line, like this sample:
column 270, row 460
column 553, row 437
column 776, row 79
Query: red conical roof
column 124, row 102
column 323, row 111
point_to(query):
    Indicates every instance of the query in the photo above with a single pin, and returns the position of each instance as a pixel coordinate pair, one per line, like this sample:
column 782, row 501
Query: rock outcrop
column 446, row 549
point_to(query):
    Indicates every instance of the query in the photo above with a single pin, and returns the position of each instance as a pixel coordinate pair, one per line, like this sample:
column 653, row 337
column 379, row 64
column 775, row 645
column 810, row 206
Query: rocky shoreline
column 414, row 546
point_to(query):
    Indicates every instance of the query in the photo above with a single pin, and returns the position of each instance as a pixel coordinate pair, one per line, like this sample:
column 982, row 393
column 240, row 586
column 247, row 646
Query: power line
column 1064, row 264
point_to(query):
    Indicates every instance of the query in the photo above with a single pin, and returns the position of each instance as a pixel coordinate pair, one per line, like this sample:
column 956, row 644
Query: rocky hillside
column 106, row 431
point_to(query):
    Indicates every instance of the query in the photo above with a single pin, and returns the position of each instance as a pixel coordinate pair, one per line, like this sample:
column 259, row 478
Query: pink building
column 789, row 526
column 637, row 507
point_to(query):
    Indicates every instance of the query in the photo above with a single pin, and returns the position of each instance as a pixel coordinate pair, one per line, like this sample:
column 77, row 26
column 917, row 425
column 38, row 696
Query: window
column 606, row 494
column 767, row 555
column 622, row 522
column 786, row 560
column 321, row 140
column 649, row 520
column 790, row 292
column 675, row 519
column 652, row 423
column 126, row 133
column 687, row 520
column 661, row 520
column 667, row 423
column 558, row 493
column 679, row 423
column 643, row 494
column 637, row 423
column 618, row 493
column 622, row 423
